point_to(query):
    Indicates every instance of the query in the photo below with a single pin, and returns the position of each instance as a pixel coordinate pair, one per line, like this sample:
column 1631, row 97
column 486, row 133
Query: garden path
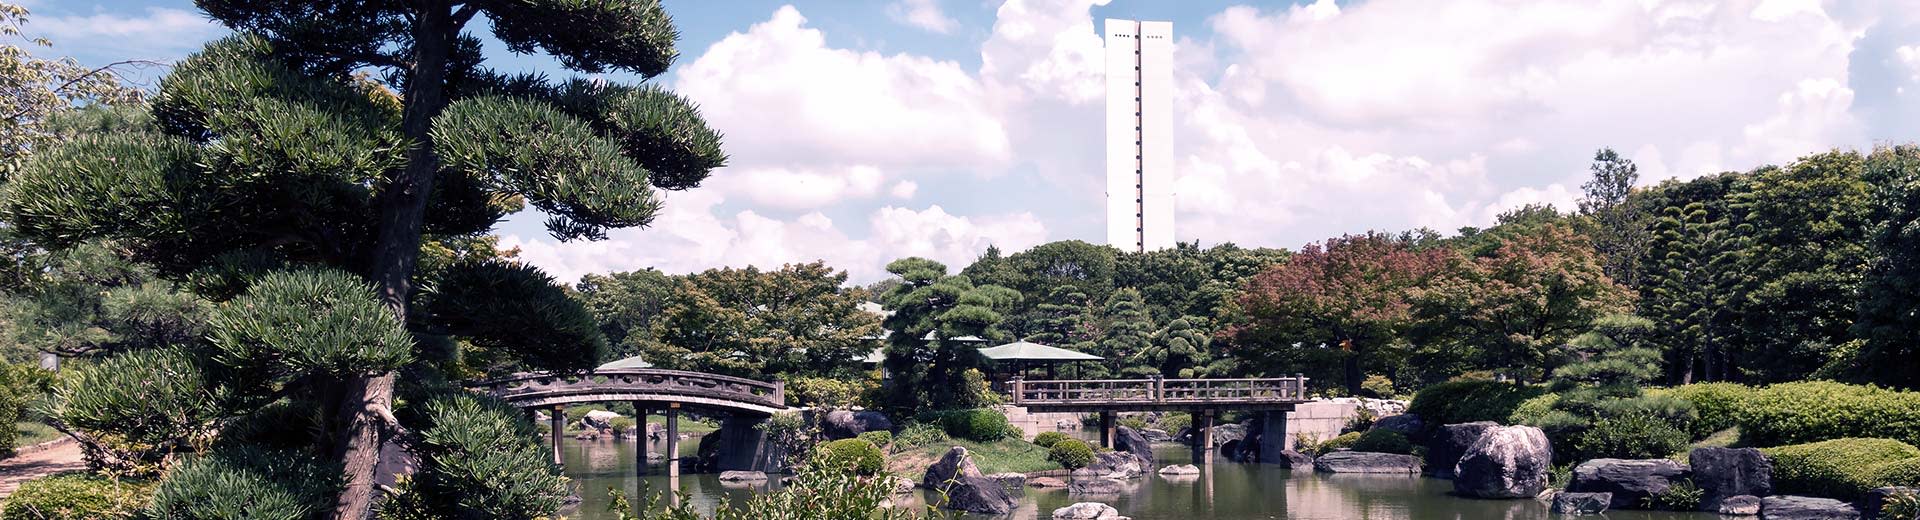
column 52, row 457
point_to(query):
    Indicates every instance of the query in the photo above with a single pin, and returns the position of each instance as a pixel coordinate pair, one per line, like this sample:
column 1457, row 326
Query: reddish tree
column 1347, row 299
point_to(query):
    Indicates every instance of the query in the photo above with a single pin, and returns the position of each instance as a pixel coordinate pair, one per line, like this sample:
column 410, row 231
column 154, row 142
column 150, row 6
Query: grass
column 32, row 433
column 1005, row 455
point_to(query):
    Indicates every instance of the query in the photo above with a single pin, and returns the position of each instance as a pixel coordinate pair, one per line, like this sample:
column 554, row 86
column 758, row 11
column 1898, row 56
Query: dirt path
column 62, row 455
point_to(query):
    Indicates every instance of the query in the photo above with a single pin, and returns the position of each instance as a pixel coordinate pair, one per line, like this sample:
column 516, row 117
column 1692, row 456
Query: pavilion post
column 673, row 440
column 557, row 422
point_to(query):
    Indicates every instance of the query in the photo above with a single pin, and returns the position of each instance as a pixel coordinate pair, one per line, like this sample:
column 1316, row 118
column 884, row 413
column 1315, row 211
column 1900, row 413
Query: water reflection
column 1222, row 492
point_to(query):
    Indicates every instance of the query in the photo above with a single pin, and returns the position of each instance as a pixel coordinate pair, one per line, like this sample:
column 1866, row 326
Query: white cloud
column 160, row 33
column 799, row 189
column 924, row 14
column 783, row 97
column 904, row 189
column 1909, row 55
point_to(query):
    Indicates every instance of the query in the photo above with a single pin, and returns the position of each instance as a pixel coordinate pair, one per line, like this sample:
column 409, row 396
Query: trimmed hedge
column 979, row 424
column 879, row 438
column 1793, row 413
column 1904, row 473
column 78, row 496
column 1071, row 454
column 1532, row 410
column 1630, row 436
column 1048, row 439
column 1840, row 468
column 1344, row 440
column 1383, row 441
column 1718, row 404
column 1468, row 401
column 859, row 454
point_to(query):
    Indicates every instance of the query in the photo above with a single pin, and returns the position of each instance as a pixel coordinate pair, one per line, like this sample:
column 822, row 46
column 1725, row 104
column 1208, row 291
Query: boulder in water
column 1088, row 511
column 1129, row 440
column 742, row 476
column 1367, row 462
column 1739, row 505
column 1632, row 482
column 1180, row 469
column 1446, row 446
column 1728, row 472
column 1581, row 503
column 1096, row 486
column 1789, row 507
column 1507, row 462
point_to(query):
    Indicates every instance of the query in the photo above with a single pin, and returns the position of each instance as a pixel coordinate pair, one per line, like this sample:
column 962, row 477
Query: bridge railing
column 637, row 380
column 1157, row 391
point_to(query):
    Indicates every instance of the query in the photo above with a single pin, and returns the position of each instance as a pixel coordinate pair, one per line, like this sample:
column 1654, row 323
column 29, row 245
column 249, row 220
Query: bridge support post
column 1106, row 429
column 673, row 440
column 557, row 423
column 1203, row 437
column 1273, row 436
column 640, row 441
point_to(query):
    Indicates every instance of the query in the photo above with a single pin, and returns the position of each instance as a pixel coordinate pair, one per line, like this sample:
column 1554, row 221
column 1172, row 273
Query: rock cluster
column 847, row 424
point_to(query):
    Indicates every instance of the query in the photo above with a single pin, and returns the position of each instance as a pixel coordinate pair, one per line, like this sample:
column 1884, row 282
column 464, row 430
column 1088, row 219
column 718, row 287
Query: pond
column 1228, row 492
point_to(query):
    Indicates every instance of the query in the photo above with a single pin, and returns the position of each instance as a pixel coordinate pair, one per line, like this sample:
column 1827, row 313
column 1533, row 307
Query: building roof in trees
column 632, row 362
column 1028, row 351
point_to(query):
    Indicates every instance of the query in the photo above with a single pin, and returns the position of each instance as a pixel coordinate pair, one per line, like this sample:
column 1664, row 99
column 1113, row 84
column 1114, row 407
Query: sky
column 865, row 131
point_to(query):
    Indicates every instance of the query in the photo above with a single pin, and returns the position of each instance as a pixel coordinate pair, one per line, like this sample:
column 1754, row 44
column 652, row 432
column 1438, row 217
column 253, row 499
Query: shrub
column 141, row 406
column 624, row 423
column 920, row 434
column 879, row 438
column 863, row 457
column 1533, row 409
column 1174, row 422
column 1840, row 468
column 244, row 482
column 1133, row 421
column 1468, row 401
column 1792, row 413
column 77, row 496
column 979, row 424
column 21, row 385
column 1344, row 440
column 1901, row 505
column 1563, row 430
column 1378, row 385
column 792, row 433
column 1383, row 441
column 1630, row 436
column 1071, row 454
column 1717, row 404
column 1362, row 419
column 1674, row 411
column 827, row 392
column 1903, row 473
column 1048, row 439
column 469, row 445
column 1681, row 496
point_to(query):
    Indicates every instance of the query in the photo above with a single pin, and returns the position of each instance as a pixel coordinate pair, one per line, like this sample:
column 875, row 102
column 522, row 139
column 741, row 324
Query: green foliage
column 798, row 322
column 1839, row 468
column 918, row 434
column 1790, row 413
column 1902, row 473
column 1890, row 292
column 77, row 496
column 1048, row 439
column 881, row 438
column 1681, row 496
column 318, row 323
column 928, row 301
column 136, row 409
column 21, row 386
column 517, row 318
column 820, row 491
column 479, row 457
column 792, row 433
column 94, row 301
column 1469, row 401
column 1071, row 454
column 1383, row 441
column 1128, row 345
column 1718, row 404
column 827, row 392
column 863, row 456
column 1531, row 410
column 1901, row 505
column 979, row 424
column 1378, row 386
column 244, row 482
column 1629, row 436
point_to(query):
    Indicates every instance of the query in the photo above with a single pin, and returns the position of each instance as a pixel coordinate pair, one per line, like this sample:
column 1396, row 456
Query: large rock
column 1130, row 441
column 1789, row 507
column 1046, row 482
column 1228, row 432
column 1730, row 472
column 1630, row 481
column 1096, row 486
column 1406, row 424
column 1009, row 480
column 1447, row 445
column 1155, row 435
column 1739, row 505
column 1581, row 503
column 742, row 476
column 1876, row 500
column 846, row 424
column 1367, row 462
column 1295, row 460
column 1115, row 465
column 1088, row 511
column 1507, row 462
column 1180, row 469
column 955, row 464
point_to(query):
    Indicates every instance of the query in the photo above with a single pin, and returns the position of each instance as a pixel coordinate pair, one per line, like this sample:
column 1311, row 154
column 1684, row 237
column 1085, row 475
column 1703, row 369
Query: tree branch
column 76, row 79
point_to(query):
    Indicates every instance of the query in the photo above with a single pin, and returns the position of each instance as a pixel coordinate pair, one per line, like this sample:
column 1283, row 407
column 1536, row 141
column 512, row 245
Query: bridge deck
column 540, row 390
column 1105, row 395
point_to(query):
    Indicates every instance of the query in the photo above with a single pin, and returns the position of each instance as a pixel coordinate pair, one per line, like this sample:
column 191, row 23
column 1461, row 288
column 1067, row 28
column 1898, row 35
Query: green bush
column 919, row 434
column 77, row 496
column 1629, row 436
column 1071, row 454
column 1174, row 422
column 1901, row 505
column 879, row 438
column 859, row 454
column 244, row 482
column 1533, row 409
column 1839, row 468
column 21, row 386
column 1902, row 473
column 1468, row 401
column 827, row 392
column 1133, row 421
column 1793, row 413
column 1674, row 411
column 1344, row 440
column 979, row 424
column 1681, row 496
column 1718, row 404
column 1048, row 439
column 479, row 458
column 1383, row 441
column 140, row 405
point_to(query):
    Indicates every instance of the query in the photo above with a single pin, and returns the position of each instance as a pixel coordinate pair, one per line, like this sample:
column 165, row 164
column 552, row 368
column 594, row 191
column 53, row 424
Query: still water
column 1229, row 492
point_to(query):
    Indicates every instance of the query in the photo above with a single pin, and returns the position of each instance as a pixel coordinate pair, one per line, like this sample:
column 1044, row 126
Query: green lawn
column 1000, row 456
column 32, row 433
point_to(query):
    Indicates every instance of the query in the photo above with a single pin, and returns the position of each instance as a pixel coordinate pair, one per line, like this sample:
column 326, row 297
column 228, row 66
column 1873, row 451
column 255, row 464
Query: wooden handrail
column 1158, row 390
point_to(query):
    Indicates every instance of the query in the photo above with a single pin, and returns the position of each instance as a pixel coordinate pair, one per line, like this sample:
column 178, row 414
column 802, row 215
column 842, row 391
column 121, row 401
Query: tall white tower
column 1139, row 135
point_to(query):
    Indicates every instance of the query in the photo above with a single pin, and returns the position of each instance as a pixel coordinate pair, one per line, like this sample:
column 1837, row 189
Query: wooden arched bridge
column 745, row 401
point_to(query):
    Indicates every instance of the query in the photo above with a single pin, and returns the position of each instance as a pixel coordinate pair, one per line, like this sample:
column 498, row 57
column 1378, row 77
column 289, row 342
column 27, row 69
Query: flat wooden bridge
column 1204, row 398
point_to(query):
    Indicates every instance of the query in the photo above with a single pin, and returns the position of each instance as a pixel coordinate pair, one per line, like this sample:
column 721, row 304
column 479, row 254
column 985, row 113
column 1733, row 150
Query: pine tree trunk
column 1353, row 373
column 402, row 210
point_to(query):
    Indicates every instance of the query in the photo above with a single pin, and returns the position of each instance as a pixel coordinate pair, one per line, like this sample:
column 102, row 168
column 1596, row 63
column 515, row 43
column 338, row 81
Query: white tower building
column 1139, row 135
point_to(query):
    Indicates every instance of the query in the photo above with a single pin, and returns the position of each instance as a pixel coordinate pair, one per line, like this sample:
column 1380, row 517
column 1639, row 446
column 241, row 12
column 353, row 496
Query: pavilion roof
column 1028, row 351
column 632, row 362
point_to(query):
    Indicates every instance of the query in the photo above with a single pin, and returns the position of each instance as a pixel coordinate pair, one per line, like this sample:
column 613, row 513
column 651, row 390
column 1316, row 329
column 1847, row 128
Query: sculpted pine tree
column 267, row 178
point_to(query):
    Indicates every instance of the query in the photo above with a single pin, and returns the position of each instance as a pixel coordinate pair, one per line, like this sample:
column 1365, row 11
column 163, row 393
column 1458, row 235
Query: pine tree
column 1129, row 334
column 1695, row 288
column 930, row 374
column 1619, row 228
column 267, row 177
